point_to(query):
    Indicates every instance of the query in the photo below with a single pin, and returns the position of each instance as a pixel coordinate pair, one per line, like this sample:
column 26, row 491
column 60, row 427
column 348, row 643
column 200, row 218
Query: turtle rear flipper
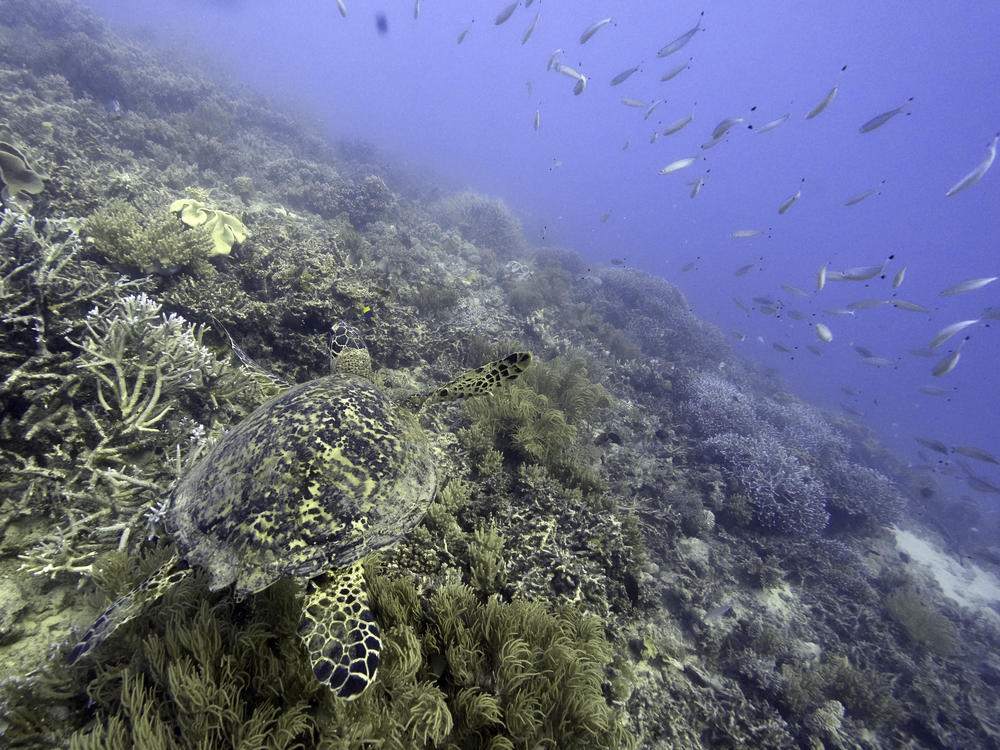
column 129, row 606
column 340, row 631
column 476, row 382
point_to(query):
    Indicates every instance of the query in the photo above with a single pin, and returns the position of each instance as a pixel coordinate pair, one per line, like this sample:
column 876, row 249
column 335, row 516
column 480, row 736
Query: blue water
column 463, row 113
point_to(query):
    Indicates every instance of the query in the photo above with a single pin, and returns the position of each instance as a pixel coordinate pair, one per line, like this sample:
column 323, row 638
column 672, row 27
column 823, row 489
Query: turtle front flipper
column 340, row 631
column 129, row 606
column 476, row 382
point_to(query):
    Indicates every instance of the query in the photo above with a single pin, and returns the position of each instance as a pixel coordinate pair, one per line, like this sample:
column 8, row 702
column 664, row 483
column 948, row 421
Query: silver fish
column 950, row 330
column 566, row 70
column 742, row 270
column 930, row 390
column 902, row 304
column 794, row 290
column 553, row 58
column 678, row 124
column 880, row 120
column 931, row 444
column 538, row 119
column 897, row 280
column 506, row 13
column 630, row 101
column 821, row 278
column 823, row 333
column 581, row 84
column 722, row 128
column 823, row 104
column 773, row 124
column 342, row 8
column 531, row 29
column 676, row 71
column 624, row 75
column 947, row 364
column 856, row 199
column 839, row 311
column 876, row 361
column 866, row 304
column 416, row 9
column 591, row 30
column 679, row 42
column 461, row 36
column 742, row 234
column 969, row 285
column 652, row 108
column 863, row 273
column 814, row 349
column 677, row 164
column 976, row 174
column 977, row 454
column 789, row 202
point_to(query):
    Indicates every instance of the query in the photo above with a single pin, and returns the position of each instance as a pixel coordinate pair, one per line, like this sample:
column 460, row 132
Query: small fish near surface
column 879, row 120
column 827, row 100
column 976, row 174
column 531, row 28
column 969, row 285
column 949, row 363
column 674, row 46
column 725, row 125
column 675, row 71
column 505, row 14
column 950, row 330
column 679, row 164
column 593, row 29
column 856, row 199
column 624, row 75
column 743, row 234
column 678, row 125
column 823, row 333
column 767, row 127
column 931, row 444
column 789, row 202
column 977, row 454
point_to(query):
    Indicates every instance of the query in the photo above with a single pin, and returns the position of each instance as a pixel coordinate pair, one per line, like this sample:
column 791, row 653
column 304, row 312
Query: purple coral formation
column 784, row 494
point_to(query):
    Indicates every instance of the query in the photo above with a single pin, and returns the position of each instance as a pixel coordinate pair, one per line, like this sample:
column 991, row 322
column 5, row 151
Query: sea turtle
column 306, row 487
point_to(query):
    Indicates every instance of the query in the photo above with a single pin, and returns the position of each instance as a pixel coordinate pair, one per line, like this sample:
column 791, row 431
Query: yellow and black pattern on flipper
column 340, row 632
column 129, row 606
column 476, row 382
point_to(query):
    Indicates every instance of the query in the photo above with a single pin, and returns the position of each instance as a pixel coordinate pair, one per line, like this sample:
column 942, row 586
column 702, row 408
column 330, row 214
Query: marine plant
column 923, row 623
column 458, row 672
column 120, row 233
column 224, row 228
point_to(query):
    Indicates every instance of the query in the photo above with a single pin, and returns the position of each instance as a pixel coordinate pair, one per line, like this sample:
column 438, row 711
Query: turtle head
column 348, row 353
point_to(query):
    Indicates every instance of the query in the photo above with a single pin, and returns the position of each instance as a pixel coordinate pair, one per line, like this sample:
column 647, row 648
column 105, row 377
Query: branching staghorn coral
column 142, row 360
column 784, row 494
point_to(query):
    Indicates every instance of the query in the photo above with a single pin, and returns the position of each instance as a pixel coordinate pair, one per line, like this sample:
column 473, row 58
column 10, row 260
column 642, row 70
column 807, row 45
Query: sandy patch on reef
column 965, row 582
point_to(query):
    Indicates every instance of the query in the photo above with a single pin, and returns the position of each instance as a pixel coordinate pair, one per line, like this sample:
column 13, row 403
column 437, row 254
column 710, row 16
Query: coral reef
column 644, row 541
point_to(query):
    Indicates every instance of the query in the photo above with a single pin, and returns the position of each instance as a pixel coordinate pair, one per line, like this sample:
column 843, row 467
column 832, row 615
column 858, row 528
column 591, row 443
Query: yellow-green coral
column 123, row 236
column 225, row 229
